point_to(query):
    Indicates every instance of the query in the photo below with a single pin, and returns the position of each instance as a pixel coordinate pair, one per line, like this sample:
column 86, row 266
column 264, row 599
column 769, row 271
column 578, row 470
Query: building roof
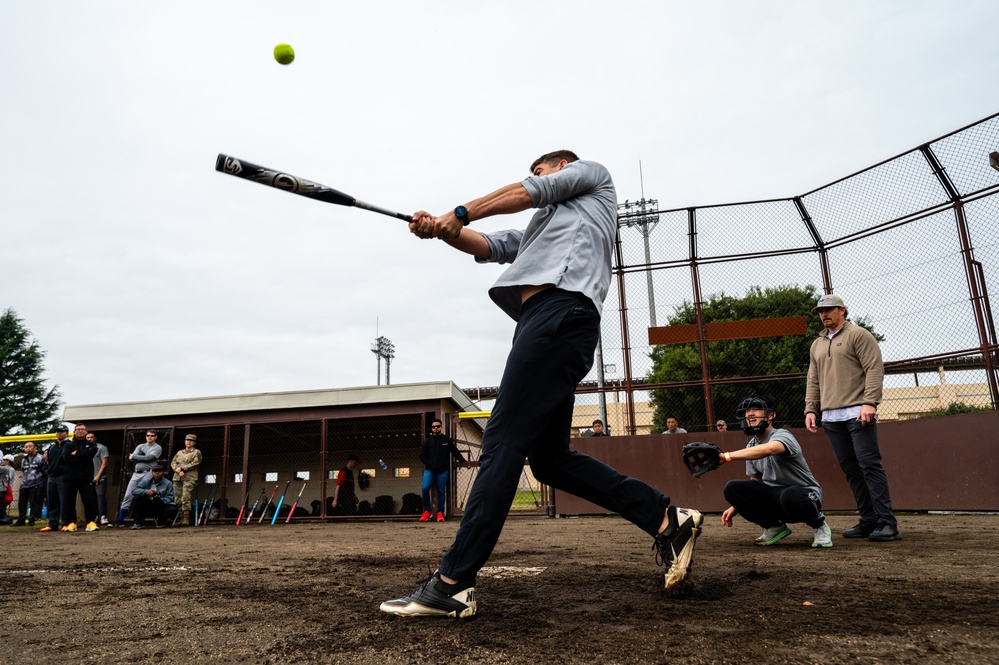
column 300, row 399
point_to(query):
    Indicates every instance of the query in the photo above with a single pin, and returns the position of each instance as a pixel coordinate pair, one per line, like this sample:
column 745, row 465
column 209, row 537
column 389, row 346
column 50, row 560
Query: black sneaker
column 675, row 546
column 435, row 597
column 20, row 521
column 861, row 530
column 885, row 534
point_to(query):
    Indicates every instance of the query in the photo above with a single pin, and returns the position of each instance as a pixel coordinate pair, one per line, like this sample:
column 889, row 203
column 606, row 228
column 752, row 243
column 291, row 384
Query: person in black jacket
column 55, row 485
column 436, row 453
column 78, row 464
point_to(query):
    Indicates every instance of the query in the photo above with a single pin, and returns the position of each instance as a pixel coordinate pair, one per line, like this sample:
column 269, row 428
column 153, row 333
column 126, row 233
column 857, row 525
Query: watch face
column 460, row 211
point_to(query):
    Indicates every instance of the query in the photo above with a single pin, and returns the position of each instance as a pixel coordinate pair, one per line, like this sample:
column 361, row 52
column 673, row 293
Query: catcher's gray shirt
column 787, row 470
column 568, row 242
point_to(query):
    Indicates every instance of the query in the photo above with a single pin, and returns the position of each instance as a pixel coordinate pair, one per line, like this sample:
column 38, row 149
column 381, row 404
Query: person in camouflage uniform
column 185, row 476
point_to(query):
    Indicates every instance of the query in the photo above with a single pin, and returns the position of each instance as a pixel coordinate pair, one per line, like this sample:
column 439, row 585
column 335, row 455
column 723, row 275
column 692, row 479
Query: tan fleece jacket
column 846, row 370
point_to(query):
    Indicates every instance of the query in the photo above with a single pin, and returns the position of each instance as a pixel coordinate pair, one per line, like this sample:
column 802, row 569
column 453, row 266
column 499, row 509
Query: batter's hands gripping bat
column 701, row 457
column 301, row 186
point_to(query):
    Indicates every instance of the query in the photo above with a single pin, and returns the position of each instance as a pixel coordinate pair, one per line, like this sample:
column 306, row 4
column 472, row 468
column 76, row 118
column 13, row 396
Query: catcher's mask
column 755, row 402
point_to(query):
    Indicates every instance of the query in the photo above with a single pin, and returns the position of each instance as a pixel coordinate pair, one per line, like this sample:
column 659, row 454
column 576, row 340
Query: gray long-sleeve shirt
column 568, row 242
column 145, row 456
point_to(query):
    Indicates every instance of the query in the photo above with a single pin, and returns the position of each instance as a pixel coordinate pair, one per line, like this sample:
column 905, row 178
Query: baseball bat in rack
column 278, row 509
column 295, row 505
column 263, row 513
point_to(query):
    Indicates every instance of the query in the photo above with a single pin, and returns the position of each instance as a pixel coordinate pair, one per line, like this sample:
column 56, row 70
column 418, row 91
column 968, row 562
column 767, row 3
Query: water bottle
column 383, row 464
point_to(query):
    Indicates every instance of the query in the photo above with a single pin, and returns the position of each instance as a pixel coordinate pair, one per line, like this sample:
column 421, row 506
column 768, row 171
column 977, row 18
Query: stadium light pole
column 383, row 348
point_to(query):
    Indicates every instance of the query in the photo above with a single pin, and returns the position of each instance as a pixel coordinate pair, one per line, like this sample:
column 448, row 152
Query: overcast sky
column 146, row 275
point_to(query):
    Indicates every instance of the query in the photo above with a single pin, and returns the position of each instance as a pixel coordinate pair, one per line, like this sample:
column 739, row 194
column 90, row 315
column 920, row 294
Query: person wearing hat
column 344, row 497
column 78, row 459
column 185, row 476
column 153, row 496
column 721, row 426
column 845, row 377
column 6, row 487
column 55, row 486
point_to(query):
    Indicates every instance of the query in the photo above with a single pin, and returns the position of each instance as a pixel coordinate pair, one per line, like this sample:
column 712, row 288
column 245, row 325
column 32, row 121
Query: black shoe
column 861, row 530
column 31, row 522
column 885, row 534
column 20, row 521
column 675, row 546
column 435, row 597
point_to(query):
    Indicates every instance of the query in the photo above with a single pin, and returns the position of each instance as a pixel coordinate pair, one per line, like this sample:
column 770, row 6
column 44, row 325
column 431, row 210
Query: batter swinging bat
column 289, row 183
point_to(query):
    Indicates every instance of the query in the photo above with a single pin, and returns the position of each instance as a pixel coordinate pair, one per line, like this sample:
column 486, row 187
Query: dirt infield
column 556, row 591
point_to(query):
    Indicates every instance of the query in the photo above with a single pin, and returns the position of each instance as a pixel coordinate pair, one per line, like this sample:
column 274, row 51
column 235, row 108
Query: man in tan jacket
column 845, row 377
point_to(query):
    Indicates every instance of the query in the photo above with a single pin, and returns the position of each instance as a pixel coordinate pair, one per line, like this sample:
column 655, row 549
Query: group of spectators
column 76, row 467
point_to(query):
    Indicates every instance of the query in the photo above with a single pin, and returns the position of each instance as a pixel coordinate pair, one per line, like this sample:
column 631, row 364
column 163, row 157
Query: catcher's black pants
column 553, row 348
column 770, row 506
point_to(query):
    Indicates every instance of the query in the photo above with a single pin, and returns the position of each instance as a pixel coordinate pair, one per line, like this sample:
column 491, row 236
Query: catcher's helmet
column 764, row 402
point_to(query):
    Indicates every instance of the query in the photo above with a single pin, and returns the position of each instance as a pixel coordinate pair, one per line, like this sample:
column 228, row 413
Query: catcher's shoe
column 675, row 545
column 435, row 597
column 823, row 536
column 773, row 535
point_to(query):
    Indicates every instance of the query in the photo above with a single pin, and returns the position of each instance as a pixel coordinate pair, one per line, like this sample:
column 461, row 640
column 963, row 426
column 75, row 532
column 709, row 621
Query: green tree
column 737, row 358
column 26, row 405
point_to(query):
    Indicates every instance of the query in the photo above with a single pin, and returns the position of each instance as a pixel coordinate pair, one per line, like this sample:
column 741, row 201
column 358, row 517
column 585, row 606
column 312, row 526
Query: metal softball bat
column 289, row 183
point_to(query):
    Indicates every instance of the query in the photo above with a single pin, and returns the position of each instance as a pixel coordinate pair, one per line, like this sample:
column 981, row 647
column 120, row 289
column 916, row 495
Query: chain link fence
column 713, row 303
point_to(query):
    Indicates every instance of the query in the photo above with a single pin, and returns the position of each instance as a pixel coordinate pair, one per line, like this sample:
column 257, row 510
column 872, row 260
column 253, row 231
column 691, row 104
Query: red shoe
column 440, row 517
column 425, row 517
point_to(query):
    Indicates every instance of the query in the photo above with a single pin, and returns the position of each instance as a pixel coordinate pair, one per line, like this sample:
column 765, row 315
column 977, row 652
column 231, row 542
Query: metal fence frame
column 945, row 177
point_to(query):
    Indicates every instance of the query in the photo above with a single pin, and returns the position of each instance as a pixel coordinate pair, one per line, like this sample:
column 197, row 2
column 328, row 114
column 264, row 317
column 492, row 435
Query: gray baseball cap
column 829, row 300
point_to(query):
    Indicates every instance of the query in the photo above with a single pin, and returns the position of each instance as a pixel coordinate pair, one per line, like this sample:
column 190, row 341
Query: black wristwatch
column 461, row 212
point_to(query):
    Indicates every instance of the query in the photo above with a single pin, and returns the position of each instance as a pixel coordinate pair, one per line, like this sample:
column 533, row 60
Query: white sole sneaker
column 429, row 601
column 681, row 543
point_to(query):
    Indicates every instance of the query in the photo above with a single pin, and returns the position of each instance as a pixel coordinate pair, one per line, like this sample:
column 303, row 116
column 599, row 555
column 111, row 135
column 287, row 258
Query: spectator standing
column 100, row 478
column 185, row 476
column 598, row 428
column 845, row 378
column 145, row 457
column 721, row 426
column 436, row 453
column 78, row 459
column 6, row 487
column 34, row 475
column 55, row 487
column 344, row 495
